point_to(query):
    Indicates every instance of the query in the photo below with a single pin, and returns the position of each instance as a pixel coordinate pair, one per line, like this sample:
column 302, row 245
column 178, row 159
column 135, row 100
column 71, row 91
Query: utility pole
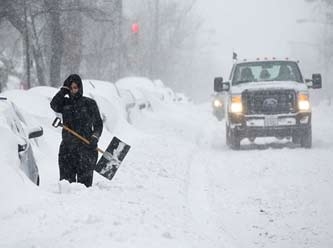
column 119, row 46
column 135, row 49
column 155, row 41
column 27, row 55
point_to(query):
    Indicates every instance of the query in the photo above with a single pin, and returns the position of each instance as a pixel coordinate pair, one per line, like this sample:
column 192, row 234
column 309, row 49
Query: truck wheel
column 296, row 139
column 306, row 138
column 233, row 140
column 227, row 135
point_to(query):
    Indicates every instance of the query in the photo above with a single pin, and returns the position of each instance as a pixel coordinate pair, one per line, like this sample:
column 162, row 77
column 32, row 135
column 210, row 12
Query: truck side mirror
column 316, row 81
column 218, row 84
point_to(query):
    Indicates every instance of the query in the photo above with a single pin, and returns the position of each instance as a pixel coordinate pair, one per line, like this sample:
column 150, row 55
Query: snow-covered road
column 269, row 194
column 180, row 186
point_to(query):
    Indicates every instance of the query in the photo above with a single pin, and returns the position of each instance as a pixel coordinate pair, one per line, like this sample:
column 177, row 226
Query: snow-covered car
column 182, row 98
column 137, row 88
column 12, row 121
column 268, row 98
column 3, row 76
column 128, row 100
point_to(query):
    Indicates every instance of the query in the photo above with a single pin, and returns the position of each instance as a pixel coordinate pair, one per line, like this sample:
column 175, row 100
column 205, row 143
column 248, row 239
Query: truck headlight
column 236, row 104
column 217, row 103
column 303, row 102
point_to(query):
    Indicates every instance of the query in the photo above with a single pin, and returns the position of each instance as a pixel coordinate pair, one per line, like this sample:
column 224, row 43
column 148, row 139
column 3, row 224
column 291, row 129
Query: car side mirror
column 220, row 86
column 35, row 132
column 316, row 81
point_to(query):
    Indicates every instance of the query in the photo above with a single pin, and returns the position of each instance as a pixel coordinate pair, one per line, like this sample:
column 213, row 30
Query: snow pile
column 179, row 186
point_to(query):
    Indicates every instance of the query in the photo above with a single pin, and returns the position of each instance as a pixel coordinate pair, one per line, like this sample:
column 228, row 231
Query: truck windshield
column 266, row 71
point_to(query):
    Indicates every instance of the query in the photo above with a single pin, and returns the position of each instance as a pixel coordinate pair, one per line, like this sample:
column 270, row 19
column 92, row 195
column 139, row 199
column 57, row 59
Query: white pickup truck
column 267, row 98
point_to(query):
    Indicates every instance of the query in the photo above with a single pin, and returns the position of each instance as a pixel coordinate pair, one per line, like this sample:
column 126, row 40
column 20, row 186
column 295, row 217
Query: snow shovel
column 115, row 153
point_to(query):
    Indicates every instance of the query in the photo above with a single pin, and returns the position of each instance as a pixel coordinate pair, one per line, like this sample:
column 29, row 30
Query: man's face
column 74, row 88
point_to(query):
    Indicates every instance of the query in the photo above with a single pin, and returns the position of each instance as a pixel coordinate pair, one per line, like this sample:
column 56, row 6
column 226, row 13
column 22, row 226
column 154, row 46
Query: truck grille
column 269, row 102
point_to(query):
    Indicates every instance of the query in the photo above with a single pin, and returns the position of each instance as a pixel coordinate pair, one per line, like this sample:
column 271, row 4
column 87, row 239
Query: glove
column 64, row 90
column 67, row 82
column 93, row 140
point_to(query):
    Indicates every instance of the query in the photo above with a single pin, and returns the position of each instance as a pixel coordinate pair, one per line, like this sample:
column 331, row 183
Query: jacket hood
column 77, row 79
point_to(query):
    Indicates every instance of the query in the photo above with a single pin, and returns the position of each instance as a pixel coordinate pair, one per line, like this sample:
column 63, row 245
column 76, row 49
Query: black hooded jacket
column 79, row 113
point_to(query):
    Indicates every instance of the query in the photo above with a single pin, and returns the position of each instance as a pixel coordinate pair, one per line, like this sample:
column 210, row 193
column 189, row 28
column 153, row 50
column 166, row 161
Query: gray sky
column 256, row 28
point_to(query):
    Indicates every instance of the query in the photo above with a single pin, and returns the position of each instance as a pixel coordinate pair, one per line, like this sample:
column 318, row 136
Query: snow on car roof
column 243, row 61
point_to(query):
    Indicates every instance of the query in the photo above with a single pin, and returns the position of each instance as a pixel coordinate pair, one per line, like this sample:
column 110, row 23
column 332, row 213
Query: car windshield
column 266, row 71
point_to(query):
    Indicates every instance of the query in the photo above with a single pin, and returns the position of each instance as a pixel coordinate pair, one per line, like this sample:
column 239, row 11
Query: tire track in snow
column 199, row 192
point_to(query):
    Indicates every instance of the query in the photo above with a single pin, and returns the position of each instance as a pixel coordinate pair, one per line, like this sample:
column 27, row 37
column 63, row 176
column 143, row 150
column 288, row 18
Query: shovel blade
column 109, row 163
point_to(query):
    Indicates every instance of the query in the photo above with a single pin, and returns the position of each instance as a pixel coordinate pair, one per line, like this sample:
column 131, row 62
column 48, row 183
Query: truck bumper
column 281, row 125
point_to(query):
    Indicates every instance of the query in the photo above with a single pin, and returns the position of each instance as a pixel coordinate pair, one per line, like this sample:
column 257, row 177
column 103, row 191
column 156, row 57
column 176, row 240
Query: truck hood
column 265, row 85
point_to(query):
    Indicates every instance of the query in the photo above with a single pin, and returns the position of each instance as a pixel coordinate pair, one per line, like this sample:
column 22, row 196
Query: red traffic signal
column 135, row 28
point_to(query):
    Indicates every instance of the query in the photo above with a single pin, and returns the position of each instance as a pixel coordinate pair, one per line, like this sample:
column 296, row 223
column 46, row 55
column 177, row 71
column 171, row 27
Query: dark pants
column 77, row 163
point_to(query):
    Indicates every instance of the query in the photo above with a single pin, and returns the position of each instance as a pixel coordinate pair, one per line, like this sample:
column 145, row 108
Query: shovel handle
column 57, row 123
column 80, row 137
column 76, row 134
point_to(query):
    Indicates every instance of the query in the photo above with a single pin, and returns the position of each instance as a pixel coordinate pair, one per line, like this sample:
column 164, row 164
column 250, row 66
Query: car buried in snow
column 12, row 120
column 267, row 98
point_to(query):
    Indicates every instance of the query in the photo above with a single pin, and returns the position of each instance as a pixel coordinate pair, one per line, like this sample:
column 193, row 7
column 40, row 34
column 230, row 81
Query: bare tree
column 95, row 38
column 73, row 38
column 14, row 11
column 103, row 56
column 57, row 40
column 52, row 32
column 167, row 28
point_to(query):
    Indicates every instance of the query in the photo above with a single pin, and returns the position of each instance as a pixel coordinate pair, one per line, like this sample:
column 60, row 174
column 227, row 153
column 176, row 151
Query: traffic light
column 135, row 28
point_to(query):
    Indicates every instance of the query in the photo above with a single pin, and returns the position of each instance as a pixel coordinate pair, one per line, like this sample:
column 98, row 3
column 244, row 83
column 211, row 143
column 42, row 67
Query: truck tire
column 233, row 140
column 227, row 135
column 306, row 138
column 296, row 139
